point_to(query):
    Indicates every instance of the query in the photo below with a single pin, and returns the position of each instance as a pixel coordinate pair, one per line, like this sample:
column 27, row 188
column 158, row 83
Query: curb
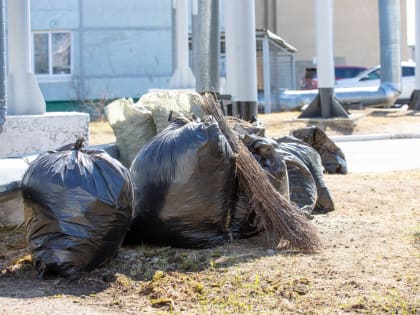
column 372, row 137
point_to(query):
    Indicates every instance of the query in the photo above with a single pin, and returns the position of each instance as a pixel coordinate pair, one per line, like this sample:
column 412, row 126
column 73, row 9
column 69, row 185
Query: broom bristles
column 275, row 215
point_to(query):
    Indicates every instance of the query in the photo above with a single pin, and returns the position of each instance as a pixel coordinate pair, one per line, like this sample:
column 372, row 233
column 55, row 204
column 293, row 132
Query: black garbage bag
column 78, row 208
column 298, row 178
column 332, row 156
column 312, row 160
column 244, row 220
column 184, row 187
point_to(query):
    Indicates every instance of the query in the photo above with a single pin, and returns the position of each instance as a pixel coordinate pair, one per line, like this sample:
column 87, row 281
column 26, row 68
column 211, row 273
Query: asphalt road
column 381, row 155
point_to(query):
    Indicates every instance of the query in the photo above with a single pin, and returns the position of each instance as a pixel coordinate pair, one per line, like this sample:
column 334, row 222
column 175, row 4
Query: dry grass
column 366, row 121
column 279, row 124
column 369, row 263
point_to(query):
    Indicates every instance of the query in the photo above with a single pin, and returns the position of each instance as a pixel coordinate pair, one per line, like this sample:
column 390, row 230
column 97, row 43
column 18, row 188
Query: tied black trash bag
column 274, row 166
column 184, row 186
column 312, row 160
column 301, row 184
column 78, row 208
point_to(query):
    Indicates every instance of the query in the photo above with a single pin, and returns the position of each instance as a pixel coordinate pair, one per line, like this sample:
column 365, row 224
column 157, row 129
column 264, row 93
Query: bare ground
column 370, row 262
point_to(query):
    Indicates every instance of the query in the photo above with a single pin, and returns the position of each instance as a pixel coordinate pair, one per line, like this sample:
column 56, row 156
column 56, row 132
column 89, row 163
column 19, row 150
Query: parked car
column 372, row 77
column 310, row 81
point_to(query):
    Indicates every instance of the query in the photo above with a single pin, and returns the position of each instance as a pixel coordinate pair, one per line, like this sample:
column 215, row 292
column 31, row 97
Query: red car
column 310, row 81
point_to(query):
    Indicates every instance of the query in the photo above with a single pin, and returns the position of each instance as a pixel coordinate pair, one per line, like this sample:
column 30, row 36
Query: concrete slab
column 11, row 170
column 333, row 123
column 24, row 134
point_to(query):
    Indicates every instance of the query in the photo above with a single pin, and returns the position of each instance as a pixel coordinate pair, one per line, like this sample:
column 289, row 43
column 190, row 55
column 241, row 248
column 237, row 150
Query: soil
column 369, row 263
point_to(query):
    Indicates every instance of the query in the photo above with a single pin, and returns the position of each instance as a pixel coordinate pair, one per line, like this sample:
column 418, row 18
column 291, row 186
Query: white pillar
column 241, row 60
column 324, row 43
column 417, row 49
column 183, row 77
column 25, row 97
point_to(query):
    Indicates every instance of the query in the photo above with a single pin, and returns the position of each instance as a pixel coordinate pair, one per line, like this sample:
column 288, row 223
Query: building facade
column 103, row 49
column 355, row 30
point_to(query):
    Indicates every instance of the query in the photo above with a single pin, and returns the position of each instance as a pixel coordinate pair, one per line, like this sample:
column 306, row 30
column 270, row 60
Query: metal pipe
column 206, row 54
column 389, row 30
column 266, row 74
column 3, row 65
column 384, row 96
column 195, row 36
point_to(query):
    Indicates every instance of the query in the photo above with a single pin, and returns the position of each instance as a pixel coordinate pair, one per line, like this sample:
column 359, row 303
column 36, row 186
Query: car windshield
column 375, row 73
column 347, row 72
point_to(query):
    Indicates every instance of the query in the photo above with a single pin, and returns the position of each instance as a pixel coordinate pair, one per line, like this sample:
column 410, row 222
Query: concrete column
column 25, row 97
column 3, row 65
column 325, row 105
column 241, row 59
column 183, row 77
column 324, row 43
column 324, row 54
column 417, row 51
column 415, row 99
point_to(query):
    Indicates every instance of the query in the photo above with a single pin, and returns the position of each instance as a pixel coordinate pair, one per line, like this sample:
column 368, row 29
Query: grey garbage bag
column 332, row 156
column 78, row 208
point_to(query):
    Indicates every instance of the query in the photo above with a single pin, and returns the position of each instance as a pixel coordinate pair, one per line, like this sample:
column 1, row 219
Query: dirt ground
column 370, row 261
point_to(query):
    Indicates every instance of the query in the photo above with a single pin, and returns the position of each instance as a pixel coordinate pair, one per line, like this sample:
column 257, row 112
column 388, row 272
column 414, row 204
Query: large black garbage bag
column 332, row 156
column 298, row 178
column 312, row 160
column 78, row 208
column 184, row 186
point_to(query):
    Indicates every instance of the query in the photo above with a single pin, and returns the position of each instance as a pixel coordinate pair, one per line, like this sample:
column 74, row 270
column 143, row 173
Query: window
column 52, row 53
column 374, row 75
column 408, row 71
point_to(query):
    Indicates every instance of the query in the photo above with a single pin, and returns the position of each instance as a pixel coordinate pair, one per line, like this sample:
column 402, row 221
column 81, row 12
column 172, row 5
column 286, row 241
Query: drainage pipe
column 3, row 64
column 389, row 90
column 384, row 96
column 206, row 54
column 389, row 30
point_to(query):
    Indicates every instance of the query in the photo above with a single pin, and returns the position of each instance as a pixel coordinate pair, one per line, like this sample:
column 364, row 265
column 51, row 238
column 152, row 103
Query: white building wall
column 119, row 49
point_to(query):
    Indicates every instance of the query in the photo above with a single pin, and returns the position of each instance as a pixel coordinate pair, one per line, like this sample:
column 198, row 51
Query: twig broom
column 275, row 214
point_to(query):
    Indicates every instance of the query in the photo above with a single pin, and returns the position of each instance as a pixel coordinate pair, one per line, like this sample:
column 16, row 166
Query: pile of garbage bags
column 180, row 188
